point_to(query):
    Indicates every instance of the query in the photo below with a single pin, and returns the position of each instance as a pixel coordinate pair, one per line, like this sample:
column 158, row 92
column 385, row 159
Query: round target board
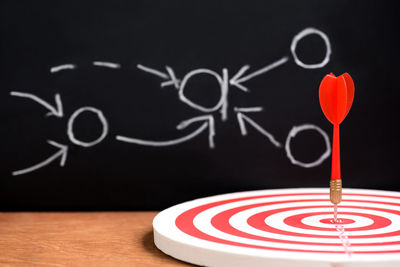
column 283, row 227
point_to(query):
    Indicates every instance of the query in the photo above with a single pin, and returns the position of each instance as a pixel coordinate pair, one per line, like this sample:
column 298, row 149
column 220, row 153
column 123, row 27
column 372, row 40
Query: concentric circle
column 283, row 225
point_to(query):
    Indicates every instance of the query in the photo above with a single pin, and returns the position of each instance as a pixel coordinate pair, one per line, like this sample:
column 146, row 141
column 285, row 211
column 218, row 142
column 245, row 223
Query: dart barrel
column 335, row 191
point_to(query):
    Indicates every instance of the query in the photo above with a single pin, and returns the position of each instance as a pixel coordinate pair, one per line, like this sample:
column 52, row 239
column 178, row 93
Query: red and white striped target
column 281, row 226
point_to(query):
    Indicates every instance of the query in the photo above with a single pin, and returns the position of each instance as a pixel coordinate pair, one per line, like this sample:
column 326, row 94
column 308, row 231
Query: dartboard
column 283, row 226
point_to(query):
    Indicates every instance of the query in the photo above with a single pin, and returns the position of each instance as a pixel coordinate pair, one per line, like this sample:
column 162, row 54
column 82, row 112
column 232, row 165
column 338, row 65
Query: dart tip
column 335, row 213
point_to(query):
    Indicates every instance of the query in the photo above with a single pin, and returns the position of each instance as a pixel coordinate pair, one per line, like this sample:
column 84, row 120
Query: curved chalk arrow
column 54, row 111
column 242, row 118
column 62, row 152
column 209, row 122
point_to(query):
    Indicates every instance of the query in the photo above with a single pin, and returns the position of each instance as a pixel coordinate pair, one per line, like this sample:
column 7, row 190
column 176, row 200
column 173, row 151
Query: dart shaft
column 335, row 193
column 335, row 172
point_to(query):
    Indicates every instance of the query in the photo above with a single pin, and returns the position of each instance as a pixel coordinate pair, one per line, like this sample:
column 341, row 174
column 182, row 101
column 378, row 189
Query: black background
column 187, row 35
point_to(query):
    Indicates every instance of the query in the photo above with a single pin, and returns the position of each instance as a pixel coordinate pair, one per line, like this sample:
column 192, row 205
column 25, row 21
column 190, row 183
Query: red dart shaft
column 335, row 193
column 335, row 172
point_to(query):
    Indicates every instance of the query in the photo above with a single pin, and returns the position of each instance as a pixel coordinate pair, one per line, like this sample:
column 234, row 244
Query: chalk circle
column 71, row 120
column 301, row 35
column 186, row 100
column 293, row 132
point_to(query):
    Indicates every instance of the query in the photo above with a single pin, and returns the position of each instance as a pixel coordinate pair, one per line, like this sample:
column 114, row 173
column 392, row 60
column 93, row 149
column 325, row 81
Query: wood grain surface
column 80, row 239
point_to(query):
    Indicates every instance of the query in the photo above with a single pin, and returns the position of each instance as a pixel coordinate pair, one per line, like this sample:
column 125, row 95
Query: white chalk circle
column 303, row 34
column 184, row 99
column 71, row 120
column 293, row 132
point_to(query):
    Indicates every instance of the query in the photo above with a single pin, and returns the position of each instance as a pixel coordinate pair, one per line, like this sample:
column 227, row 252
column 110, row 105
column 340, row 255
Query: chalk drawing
column 71, row 121
column 188, row 76
column 209, row 123
column 61, row 153
column 62, row 67
column 237, row 79
column 169, row 78
column 293, row 132
column 242, row 118
column 303, row 34
column 53, row 111
column 110, row 65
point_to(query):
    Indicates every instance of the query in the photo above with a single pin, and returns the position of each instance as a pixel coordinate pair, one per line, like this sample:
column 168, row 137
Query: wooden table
column 80, row 239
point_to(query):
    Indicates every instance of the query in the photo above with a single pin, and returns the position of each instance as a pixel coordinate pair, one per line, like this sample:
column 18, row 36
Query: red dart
column 336, row 96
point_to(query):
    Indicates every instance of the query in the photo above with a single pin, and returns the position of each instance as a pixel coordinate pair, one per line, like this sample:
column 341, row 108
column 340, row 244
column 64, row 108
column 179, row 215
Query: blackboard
column 138, row 105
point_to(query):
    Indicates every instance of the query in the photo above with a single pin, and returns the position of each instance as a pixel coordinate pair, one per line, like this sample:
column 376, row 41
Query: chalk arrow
column 242, row 118
column 234, row 80
column 61, row 153
column 169, row 76
column 53, row 111
column 208, row 122
column 211, row 126
column 237, row 79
